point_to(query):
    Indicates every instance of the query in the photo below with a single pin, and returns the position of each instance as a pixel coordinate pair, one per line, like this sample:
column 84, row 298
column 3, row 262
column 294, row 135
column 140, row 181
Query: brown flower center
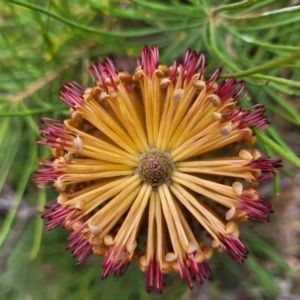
column 156, row 167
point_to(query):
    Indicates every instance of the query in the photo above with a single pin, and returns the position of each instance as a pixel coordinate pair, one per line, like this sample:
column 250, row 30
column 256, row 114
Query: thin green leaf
column 262, row 276
column 32, row 112
column 105, row 33
column 286, row 154
column 233, row 6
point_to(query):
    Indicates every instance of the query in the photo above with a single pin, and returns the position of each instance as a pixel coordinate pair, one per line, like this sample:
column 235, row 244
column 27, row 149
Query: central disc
column 156, row 167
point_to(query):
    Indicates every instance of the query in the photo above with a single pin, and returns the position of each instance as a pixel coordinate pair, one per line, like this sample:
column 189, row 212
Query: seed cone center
column 155, row 167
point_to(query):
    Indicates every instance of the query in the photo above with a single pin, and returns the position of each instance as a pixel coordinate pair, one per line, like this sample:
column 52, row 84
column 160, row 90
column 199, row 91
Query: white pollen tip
column 215, row 100
column 215, row 243
column 80, row 205
column 237, row 188
column 108, row 240
column 226, row 129
column 60, row 185
column 208, row 252
column 164, row 83
column 216, row 116
column 95, row 230
column 138, row 75
column 192, row 247
column 177, row 95
column 103, row 96
column 62, row 198
column 113, row 94
column 230, row 213
column 200, row 257
column 230, row 227
column 130, row 247
column 68, row 157
column 245, row 155
column 256, row 154
column 144, row 262
column 199, row 85
column 78, row 143
column 170, row 257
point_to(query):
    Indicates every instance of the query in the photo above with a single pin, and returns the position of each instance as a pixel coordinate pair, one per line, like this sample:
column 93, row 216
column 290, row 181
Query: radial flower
column 154, row 167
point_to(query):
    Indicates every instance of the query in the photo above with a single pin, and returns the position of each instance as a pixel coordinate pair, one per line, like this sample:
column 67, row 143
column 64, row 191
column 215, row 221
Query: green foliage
column 44, row 44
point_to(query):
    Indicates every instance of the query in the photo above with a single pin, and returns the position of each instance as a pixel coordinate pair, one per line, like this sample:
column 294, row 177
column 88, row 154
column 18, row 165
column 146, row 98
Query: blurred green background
column 44, row 44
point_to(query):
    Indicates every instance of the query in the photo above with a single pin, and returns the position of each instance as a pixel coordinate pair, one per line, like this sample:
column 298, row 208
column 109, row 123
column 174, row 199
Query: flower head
column 154, row 167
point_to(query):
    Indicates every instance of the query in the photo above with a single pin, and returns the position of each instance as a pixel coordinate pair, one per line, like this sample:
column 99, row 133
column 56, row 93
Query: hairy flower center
column 156, row 167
